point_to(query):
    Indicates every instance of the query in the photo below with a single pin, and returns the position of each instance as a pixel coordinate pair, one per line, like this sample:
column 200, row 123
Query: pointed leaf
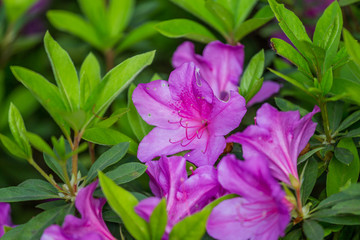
column 158, row 221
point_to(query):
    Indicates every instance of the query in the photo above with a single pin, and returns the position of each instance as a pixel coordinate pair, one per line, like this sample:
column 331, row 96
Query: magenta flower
column 221, row 65
column 187, row 116
column 184, row 196
column 89, row 226
column 5, row 218
column 262, row 212
column 280, row 136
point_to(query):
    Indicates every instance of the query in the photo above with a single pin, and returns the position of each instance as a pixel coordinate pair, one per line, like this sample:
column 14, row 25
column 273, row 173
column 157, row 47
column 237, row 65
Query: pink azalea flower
column 261, row 212
column 280, row 136
column 184, row 196
column 187, row 116
column 89, row 226
column 5, row 218
column 221, row 65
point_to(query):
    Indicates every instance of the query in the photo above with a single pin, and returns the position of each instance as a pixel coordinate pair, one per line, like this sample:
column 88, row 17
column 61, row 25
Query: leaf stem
column 109, row 59
column 42, row 172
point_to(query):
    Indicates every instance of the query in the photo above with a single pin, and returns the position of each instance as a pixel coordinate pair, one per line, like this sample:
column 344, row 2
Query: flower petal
column 185, row 53
column 154, row 104
column 5, row 218
column 226, row 116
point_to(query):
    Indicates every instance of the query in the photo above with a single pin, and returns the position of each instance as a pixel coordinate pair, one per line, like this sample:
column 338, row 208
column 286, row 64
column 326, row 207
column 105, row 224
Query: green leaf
column 223, row 15
column 64, row 72
column 15, row 9
column 242, row 10
column 137, row 35
column 193, row 227
column 33, row 229
column 177, row 28
column 90, row 77
column 328, row 32
column 197, row 8
column 158, row 221
column 348, row 88
column 340, row 174
column 327, row 81
column 119, row 14
column 31, row 189
column 344, row 3
column 123, row 203
column 40, row 144
column 18, row 130
column 126, row 172
column 108, row 136
column 344, row 155
column 45, row 92
column 350, row 120
column 308, row 179
column 348, row 207
column 108, row 158
column 251, row 80
column 309, row 154
column 286, row 105
column 115, row 82
column 263, row 16
column 289, row 79
column 139, row 127
column 108, row 122
column 285, row 50
column 352, row 47
column 12, row 147
column 291, row 26
column 71, row 23
column 95, row 11
column 313, row 230
column 352, row 192
column 54, row 165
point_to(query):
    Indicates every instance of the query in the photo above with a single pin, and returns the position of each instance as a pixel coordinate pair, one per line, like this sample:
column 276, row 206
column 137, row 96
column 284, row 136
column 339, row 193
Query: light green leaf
column 352, row 47
column 158, row 221
column 115, row 82
column 108, row 136
column 108, row 158
column 64, row 72
column 90, row 77
column 137, row 35
column 289, row 79
column 223, row 15
column 197, row 8
column 242, row 10
column 18, row 130
column 123, row 203
column 12, row 147
column 39, row 144
column 119, row 14
column 291, row 26
column 327, row 81
column 15, row 8
column 263, row 16
column 340, row 174
column 287, row 51
column 95, row 11
column 251, row 80
column 74, row 24
column 177, row 28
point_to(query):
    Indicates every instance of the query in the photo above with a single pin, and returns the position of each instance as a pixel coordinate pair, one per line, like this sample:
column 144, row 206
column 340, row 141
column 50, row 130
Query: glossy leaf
column 124, row 207
column 90, row 77
column 126, row 172
column 352, row 46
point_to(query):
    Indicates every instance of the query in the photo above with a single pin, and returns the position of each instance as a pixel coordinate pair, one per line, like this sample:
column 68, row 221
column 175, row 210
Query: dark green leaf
column 308, row 179
column 108, row 158
column 124, row 207
column 313, row 230
column 158, row 221
column 350, row 120
column 344, row 155
column 178, row 28
column 126, row 172
column 348, row 207
column 344, row 3
column 339, row 174
column 286, row 105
